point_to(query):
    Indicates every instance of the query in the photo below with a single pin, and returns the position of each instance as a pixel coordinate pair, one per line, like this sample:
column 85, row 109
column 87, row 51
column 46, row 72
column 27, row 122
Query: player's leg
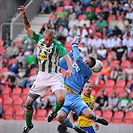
column 59, row 91
column 29, row 112
column 59, row 103
column 88, row 113
column 61, row 117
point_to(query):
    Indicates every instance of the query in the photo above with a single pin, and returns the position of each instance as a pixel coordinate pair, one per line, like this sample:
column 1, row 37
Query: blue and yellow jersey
column 83, row 121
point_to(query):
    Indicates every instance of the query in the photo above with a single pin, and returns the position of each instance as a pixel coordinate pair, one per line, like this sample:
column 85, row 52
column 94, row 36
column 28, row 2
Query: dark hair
column 93, row 62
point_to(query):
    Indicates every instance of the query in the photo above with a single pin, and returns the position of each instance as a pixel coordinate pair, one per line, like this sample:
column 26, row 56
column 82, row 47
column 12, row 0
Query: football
column 98, row 66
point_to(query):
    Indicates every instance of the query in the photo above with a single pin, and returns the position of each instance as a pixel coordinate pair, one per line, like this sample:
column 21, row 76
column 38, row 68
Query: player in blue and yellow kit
column 83, row 122
column 81, row 72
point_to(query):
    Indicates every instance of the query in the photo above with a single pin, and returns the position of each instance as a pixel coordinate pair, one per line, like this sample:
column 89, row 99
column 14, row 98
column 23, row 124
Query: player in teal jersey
column 49, row 51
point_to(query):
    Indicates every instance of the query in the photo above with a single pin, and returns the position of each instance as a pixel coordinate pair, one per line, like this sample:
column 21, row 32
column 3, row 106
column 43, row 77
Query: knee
column 60, row 118
column 60, row 99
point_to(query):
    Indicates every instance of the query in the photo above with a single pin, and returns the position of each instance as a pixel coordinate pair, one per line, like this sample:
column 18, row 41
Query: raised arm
column 25, row 20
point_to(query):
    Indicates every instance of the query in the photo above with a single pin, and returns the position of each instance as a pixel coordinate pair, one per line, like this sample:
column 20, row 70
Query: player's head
column 87, row 88
column 48, row 37
column 90, row 61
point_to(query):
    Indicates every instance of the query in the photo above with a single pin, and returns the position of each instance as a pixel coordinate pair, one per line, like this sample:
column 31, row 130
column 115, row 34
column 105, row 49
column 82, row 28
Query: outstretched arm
column 25, row 20
column 62, row 62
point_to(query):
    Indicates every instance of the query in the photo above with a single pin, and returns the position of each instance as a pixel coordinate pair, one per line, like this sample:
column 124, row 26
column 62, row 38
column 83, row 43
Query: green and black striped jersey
column 48, row 56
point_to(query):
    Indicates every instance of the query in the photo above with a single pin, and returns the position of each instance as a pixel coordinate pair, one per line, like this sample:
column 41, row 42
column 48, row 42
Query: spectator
column 48, row 102
column 116, row 74
column 7, row 41
column 27, row 39
column 127, row 41
column 90, row 14
column 84, row 21
column 101, row 52
column 127, row 73
column 101, row 101
column 113, row 22
column 96, row 42
column 23, row 70
column 13, row 67
column 112, row 102
column 43, row 28
column 31, row 59
column 62, row 13
column 20, row 58
column 47, row 6
column 85, row 31
column 124, row 102
column 106, row 41
column 63, row 21
column 73, row 21
column 101, row 23
column 121, row 52
column 74, row 31
column 86, row 40
column 11, row 51
column 27, row 82
column 78, row 8
column 62, row 33
column 129, row 15
column 115, row 41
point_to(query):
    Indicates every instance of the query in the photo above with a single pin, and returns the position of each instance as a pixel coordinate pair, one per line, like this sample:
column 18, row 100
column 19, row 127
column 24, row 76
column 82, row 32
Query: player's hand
column 68, row 73
column 75, row 41
column 21, row 9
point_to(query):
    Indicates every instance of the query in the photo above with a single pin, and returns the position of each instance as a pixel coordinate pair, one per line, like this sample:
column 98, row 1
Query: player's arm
column 69, row 64
column 25, row 20
column 86, row 70
column 62, row 62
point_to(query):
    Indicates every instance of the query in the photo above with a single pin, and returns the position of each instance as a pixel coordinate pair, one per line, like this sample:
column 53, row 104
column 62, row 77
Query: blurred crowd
column 106, row 32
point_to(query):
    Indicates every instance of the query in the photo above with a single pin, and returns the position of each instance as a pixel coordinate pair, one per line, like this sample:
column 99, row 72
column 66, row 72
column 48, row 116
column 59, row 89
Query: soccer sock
column 95, row 117
column 28, row 118
column 57, row 106
column 67, row 123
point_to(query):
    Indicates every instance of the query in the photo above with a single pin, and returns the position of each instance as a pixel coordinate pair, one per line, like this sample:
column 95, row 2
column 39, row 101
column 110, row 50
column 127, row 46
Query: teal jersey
column 48, row 56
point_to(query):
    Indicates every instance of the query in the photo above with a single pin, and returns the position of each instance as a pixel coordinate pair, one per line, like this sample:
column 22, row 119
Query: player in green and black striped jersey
column 49, row 51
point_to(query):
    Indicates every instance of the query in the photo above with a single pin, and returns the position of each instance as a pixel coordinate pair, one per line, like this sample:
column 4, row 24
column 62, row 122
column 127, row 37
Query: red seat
column 120, row 84
column 17, row 103
column 120, row 92
column 19, row 114
column 108, row 91
column 1, row 43
column 82, row 16
column 6, row 92
column 98, row 112
column 108, row 115
column 8, row 114
column 110, row 84
column 129, row 83
column 131, row 94
column 10, row 61
column 114, row 63
column 7, row 103
column 118, row 117
column 33, row 71
column 128, row 119
column 4, row 69
column 125, row 64
column 59, row 9
column 25, row 93
column 41, row 114
column 93, row 93
column 16, row 93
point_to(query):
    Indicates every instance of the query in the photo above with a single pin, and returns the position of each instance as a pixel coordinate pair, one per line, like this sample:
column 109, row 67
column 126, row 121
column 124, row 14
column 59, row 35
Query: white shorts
column 44, row 81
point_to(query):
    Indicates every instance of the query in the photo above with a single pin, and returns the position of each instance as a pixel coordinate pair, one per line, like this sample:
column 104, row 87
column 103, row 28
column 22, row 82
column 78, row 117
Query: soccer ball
column 98, row 66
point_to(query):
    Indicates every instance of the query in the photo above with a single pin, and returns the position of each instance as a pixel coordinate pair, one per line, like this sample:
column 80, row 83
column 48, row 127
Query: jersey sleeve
column 60, row 48
column 37, row 37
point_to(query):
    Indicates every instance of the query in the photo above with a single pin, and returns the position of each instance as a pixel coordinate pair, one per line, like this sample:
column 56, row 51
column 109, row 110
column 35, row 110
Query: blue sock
column 67, row 123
